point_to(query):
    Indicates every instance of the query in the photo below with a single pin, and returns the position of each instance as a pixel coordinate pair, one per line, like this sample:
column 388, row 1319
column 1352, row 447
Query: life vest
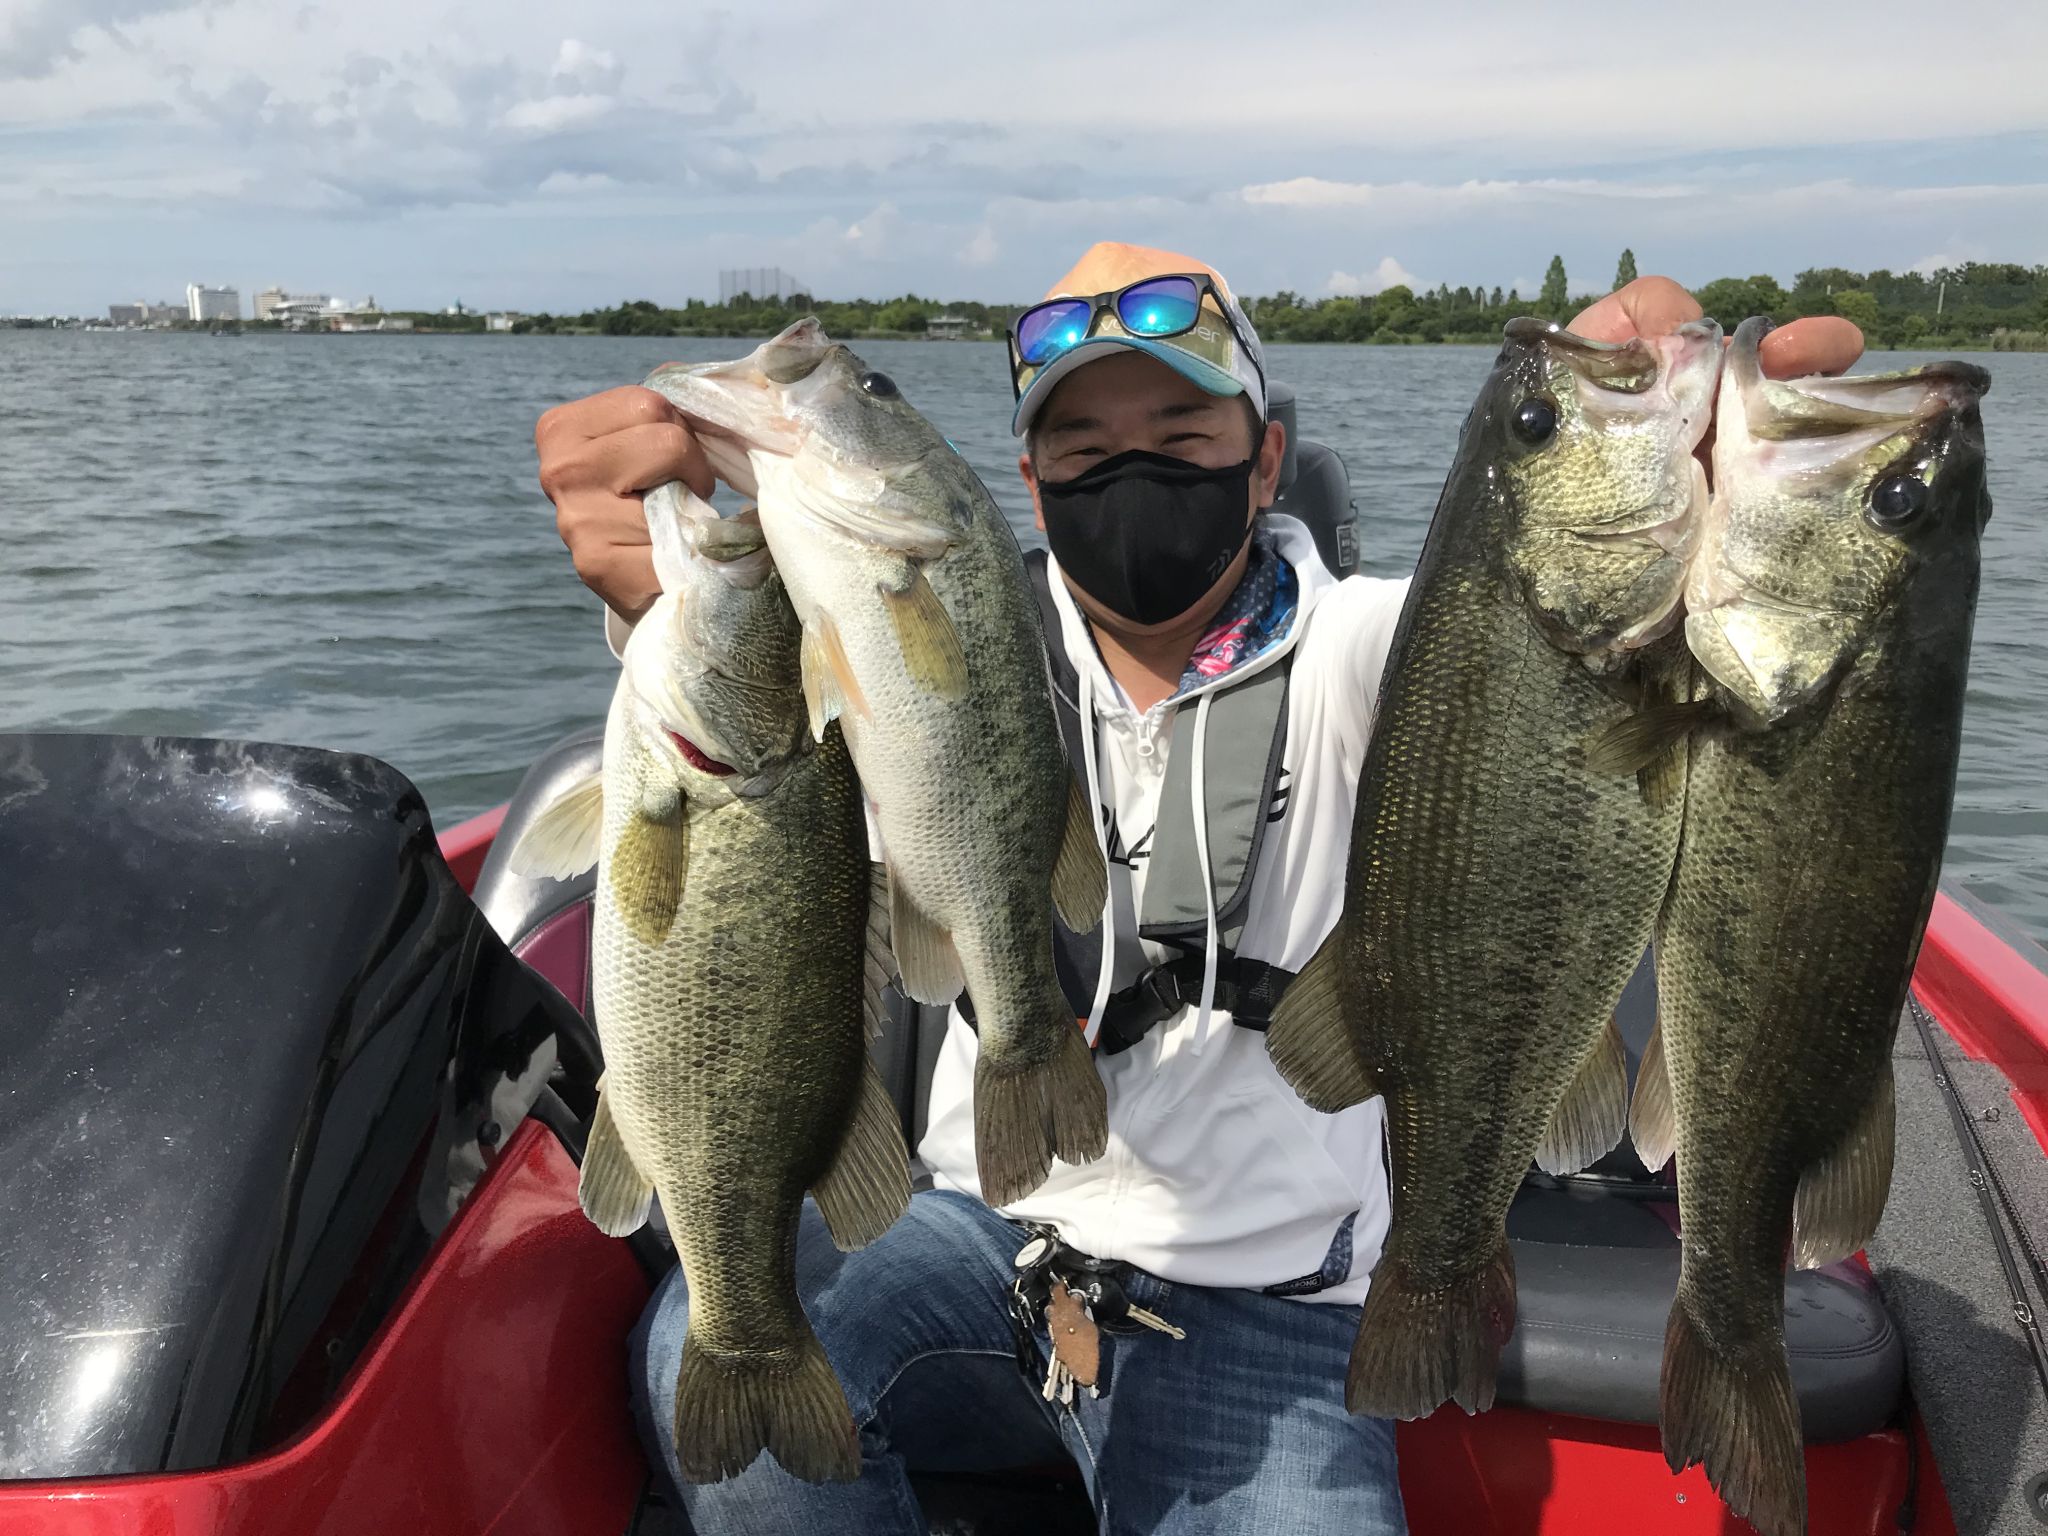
column 1244, row 743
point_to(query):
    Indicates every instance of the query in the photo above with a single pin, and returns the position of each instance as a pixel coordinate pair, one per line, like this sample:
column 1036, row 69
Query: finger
column 1649, row 306
column 621, row 574
column 640, row 458
column 629, row 405
column 1817, row 344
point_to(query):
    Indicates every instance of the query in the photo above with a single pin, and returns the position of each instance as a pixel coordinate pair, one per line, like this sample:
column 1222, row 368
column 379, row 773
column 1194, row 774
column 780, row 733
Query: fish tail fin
column 1027, row 1114
column 1736, row 1415
column 1419, row 1347
column 1311, row 1044
column 730, row 1408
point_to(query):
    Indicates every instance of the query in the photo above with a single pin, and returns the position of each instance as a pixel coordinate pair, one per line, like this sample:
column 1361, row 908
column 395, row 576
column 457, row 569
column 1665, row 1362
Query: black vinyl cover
column 239, row 994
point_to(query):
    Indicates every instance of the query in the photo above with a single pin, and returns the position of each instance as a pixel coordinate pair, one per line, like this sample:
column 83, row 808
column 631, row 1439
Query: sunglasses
column 1155, row 307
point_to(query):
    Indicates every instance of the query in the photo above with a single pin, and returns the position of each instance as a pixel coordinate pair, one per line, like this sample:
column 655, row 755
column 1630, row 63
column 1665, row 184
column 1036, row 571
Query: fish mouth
column 697, row 758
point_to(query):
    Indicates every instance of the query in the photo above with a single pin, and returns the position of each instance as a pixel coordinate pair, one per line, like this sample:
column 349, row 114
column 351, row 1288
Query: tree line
column 1975, row 304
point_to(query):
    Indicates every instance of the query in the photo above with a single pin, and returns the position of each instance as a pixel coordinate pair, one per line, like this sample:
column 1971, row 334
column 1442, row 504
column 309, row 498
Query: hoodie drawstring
column 1204, row 1019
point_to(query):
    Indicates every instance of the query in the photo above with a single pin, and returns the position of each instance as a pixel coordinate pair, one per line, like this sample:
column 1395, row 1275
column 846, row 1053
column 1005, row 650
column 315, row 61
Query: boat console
column 256, row 1045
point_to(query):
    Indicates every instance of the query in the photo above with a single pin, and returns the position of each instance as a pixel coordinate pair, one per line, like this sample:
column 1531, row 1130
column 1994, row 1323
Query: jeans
column 1238, row 1428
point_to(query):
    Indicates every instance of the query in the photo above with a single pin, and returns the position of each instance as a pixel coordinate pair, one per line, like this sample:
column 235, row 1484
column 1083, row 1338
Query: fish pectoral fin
column 1080, row 880
column 878, row 964
column 1640, row 740
column 926, row 636
column 1652, row 1118
column 830, row 688
column 646, row 871
column 868, row 1185
column 614, row 1193
column 1310, row 1040
column 925, row 957
column 1842, row 1196
column 1593, row 1113
column 562, row 841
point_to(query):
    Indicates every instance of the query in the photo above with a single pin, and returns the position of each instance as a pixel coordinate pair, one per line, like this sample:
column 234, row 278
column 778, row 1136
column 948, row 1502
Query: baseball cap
column 1220, row 354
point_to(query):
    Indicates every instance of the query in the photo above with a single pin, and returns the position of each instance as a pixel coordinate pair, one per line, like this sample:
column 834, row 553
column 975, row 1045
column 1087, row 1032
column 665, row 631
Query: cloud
column 1388, row 274
column 37, row 36
column 982, row 249
column 1410, row 196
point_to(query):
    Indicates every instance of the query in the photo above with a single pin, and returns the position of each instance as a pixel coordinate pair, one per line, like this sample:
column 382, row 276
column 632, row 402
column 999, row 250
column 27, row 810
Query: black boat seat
column 1595, row 1272
column 1596, row 1256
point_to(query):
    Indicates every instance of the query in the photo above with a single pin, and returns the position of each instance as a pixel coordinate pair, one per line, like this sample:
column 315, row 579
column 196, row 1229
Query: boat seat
column 1315, row 488
column 1596, row 1265
column 1596, row 1255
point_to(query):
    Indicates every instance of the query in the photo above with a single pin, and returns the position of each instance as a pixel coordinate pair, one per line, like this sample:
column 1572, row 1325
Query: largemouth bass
column 1503, row 882
column 737, row 955
column 922, row 639
column 1830, row 605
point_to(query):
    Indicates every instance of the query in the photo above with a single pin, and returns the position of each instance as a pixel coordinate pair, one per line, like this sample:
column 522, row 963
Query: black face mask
column 1146, row 534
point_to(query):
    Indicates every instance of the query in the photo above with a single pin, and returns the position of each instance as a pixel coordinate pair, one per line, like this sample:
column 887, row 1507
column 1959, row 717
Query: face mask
column 1146, row 534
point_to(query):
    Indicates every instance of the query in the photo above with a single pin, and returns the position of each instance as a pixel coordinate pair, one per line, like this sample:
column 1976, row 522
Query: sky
column 513, row 154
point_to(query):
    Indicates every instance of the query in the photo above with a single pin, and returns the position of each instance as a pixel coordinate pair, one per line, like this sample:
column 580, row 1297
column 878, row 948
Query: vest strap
column 1247, row 989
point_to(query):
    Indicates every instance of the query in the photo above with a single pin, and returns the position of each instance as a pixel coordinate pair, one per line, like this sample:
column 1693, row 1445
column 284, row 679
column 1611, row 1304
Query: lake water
column 339, row 541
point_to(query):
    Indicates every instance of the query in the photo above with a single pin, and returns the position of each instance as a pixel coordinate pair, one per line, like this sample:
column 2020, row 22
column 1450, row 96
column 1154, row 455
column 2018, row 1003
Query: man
column 1191, row 631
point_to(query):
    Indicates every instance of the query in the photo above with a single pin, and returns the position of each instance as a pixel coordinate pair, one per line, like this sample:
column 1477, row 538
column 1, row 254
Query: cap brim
column 1205, row 375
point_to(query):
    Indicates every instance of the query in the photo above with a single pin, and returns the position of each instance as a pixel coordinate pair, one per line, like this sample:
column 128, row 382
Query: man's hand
column 1656, row 306
column 598, row 456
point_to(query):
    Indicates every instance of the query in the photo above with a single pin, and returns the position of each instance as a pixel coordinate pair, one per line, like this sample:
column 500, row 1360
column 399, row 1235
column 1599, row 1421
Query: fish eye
column 1897, row 500
column 880, row 385
column 1535, row 420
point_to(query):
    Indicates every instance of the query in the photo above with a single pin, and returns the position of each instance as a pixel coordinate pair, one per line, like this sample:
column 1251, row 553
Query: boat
column 293, row 1092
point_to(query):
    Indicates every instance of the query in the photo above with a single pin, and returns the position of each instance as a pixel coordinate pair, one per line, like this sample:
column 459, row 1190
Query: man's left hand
column 1656, row 306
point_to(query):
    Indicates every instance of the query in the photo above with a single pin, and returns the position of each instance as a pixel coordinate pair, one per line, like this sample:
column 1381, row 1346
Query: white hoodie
column 1216, row 1173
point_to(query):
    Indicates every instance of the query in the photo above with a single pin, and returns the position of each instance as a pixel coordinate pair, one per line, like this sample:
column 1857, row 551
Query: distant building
column 164, row 314
column 757, row 283
column 127, row 314
column 203, row 303
column 948, row 327
column 503, row 321
column 267, row 302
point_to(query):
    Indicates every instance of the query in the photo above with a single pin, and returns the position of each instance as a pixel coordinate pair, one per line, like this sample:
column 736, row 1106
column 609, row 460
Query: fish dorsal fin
column 562, row 841
column 1841, row 1197
column 868, row 1185
column 614, row 1193
column 1593, row 1113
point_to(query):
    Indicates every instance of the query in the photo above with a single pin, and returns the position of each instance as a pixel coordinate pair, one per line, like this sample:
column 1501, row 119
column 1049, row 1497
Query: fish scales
column 1500, row 887
column 1817, row 805
column 923, row 639
column 734, row 986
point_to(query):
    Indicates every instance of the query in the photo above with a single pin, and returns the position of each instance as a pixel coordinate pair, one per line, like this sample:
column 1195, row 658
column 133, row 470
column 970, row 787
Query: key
column 1138, row 1314
column 1059, row 1381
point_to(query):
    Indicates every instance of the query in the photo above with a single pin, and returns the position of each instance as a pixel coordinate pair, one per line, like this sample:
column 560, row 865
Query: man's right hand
column 598, row 456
